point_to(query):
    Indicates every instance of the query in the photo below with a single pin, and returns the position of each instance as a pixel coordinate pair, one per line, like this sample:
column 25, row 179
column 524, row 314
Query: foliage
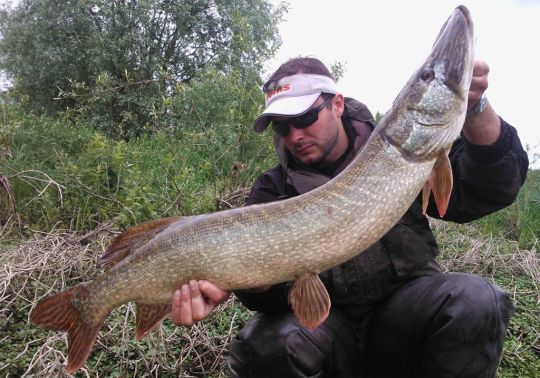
column 65, row 174
column 338, row 70
column 521, row 220
column 114, row 62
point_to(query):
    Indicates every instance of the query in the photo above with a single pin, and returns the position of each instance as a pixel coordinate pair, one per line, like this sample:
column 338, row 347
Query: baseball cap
column 292, row 96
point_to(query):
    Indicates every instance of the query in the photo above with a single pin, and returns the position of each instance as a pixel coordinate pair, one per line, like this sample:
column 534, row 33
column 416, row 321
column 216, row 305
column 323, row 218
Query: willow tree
column 117, row 59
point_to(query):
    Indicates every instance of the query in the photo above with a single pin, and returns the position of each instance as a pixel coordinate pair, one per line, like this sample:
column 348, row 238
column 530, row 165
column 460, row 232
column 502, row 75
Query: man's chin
column 309, row 159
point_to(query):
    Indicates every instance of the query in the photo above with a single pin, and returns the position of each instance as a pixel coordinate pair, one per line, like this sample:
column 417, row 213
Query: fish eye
column 427, row 75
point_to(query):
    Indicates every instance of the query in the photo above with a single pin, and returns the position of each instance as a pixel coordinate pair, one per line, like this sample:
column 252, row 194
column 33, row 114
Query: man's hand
column 485, row 128
column 195, row 301
column 479, row 83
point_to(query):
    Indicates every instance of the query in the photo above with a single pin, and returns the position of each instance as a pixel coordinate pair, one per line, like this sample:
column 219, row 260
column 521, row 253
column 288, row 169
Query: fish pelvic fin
column 149, row 317
column 130, row 239
column 309, row 300
column 58, row 313
column 440, row 183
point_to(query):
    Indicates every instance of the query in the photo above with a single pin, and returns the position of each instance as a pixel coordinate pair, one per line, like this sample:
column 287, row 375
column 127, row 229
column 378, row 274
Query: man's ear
column 338, row 104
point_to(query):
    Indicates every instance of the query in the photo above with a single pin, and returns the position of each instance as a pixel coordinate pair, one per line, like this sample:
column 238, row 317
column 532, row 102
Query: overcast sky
column 383, row 42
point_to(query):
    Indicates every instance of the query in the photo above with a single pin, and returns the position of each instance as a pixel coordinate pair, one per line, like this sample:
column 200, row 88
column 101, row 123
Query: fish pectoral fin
column 440, row 183
column 309, row 300
column 148, row 317
column 133, row 237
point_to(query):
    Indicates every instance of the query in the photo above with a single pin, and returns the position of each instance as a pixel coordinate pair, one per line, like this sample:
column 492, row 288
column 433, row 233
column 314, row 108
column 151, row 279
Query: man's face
column 322, row 141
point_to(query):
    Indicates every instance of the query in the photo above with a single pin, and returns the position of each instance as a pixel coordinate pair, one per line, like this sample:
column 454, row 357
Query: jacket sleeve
column 267, row 188
column 486, row 178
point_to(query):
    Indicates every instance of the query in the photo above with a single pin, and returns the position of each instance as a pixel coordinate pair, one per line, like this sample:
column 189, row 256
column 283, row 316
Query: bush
column 64, row 173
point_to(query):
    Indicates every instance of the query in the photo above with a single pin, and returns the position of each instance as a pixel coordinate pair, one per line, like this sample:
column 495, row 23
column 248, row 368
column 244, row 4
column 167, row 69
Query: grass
column 60, row 175
column 521, row 220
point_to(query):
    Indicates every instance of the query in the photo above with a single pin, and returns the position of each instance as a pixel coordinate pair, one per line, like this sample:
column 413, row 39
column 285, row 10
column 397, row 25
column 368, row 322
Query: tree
column 116, row 60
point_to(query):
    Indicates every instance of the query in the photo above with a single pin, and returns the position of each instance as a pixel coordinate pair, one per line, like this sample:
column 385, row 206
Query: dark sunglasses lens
column 306, row 120
column 281, row 128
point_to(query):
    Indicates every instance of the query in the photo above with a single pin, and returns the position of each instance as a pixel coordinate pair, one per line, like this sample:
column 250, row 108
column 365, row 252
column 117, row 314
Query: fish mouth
column 453, row 49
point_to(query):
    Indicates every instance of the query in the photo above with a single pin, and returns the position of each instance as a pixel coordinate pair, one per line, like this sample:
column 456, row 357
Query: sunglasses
column 307, row 119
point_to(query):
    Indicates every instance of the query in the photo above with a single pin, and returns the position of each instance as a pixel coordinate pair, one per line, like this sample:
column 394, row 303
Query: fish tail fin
column 58, row 313
column 149, row 317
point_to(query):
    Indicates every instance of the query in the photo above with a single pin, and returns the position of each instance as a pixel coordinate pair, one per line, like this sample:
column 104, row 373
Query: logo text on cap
column 273, row 92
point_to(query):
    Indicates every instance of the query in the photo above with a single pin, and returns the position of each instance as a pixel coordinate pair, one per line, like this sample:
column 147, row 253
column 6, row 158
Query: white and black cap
column 293, row 96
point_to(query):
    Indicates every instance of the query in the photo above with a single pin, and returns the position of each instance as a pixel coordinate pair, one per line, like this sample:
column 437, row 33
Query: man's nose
column 295, row 134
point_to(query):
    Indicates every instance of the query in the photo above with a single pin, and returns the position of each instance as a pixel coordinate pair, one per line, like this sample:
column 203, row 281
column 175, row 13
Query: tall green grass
column 521, row 220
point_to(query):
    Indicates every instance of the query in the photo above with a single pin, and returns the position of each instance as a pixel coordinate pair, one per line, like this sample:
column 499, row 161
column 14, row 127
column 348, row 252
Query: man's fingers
column 175, row 307
column 181, row 307
column 198, row 303
column 194, row 301
column 480, row 68
column 479, row 83
column 186, row 309
column 214, row 294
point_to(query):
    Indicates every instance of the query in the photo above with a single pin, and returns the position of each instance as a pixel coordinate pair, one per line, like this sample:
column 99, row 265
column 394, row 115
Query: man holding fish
column 394, row 313
column 335, row 254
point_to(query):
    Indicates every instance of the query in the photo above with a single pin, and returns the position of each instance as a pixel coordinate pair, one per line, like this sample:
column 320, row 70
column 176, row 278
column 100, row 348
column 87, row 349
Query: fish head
column 428, row 114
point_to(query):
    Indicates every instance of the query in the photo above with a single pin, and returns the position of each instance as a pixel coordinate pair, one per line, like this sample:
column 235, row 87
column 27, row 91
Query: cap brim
column 286, row 107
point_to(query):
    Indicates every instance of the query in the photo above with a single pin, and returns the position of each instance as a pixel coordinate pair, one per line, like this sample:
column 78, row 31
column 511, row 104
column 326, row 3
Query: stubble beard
column 325, row 146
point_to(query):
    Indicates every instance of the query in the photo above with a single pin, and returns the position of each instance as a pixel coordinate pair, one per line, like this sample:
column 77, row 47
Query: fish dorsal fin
column 440, row 183
column 133, row 237
column 309, row 300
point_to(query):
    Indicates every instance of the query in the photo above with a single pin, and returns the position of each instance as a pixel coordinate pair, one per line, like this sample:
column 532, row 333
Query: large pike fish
column 294, row 239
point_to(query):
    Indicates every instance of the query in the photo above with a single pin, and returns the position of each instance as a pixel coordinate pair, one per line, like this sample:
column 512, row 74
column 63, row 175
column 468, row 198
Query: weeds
column 64, row 174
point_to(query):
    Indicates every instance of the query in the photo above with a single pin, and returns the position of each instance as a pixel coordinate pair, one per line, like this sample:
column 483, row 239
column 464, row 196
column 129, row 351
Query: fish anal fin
column 309, row 300
column 441, row 182
column 148, row 317
column 122, row 245
column 58, row 313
